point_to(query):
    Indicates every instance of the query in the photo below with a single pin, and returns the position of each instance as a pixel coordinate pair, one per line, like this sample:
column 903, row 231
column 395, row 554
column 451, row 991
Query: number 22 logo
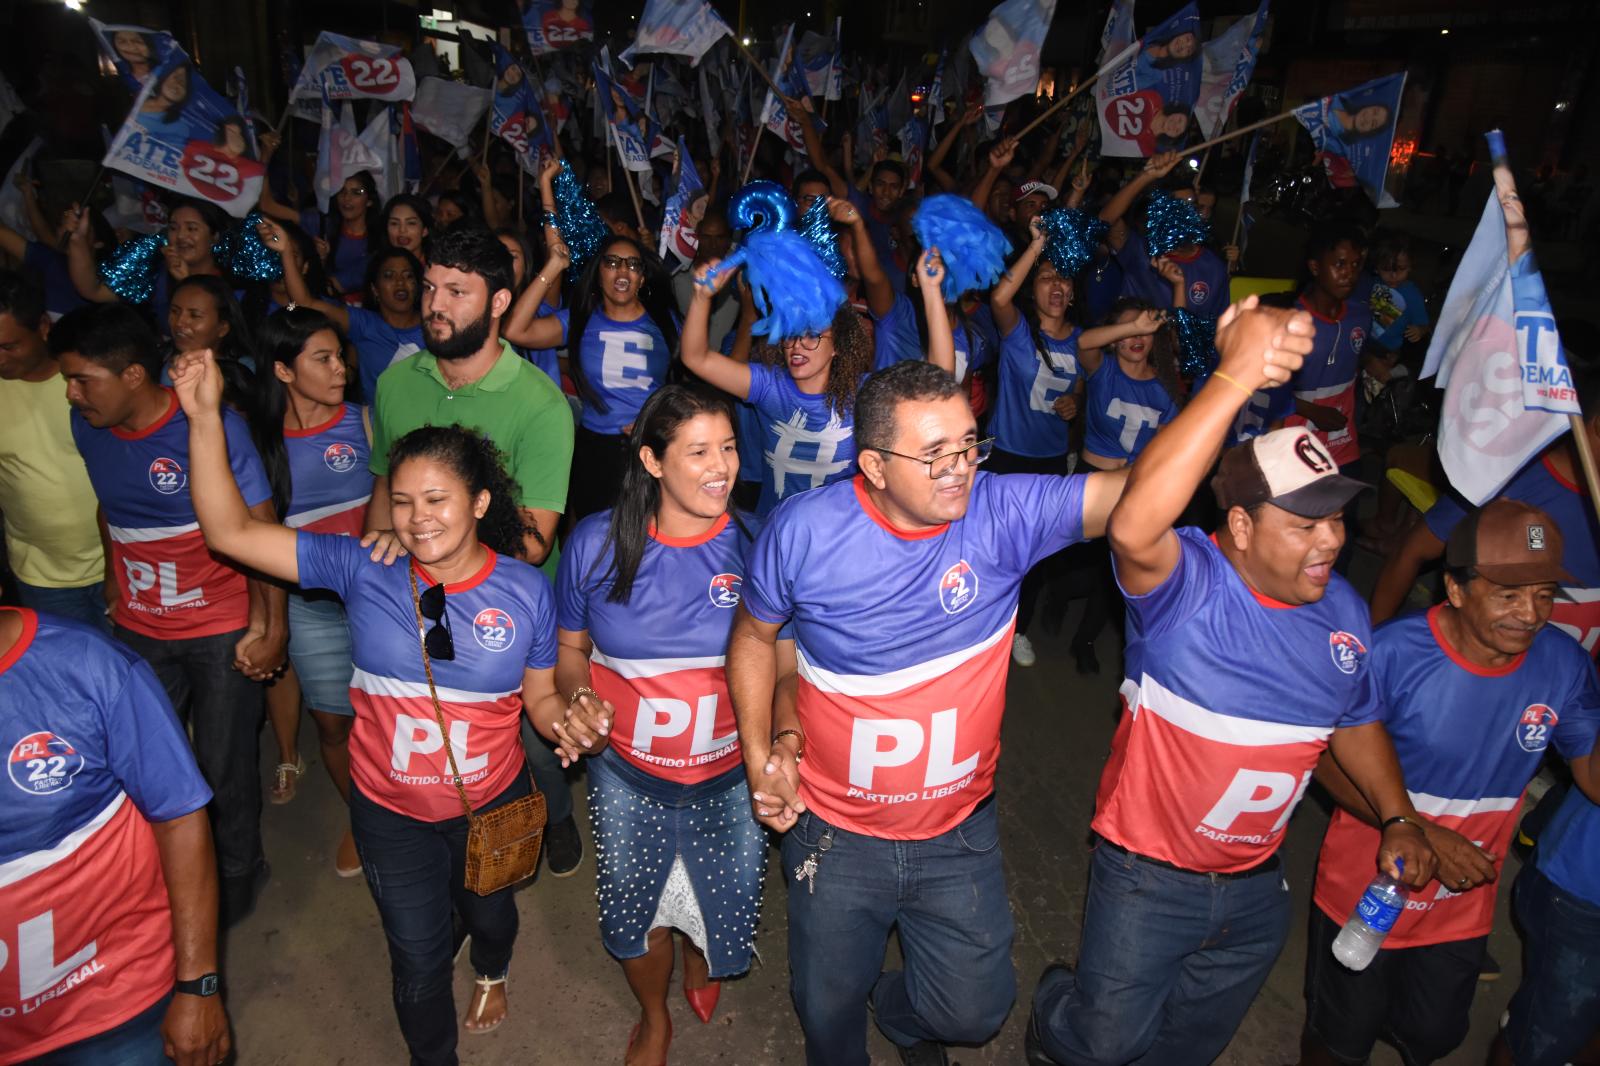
column 43, row 763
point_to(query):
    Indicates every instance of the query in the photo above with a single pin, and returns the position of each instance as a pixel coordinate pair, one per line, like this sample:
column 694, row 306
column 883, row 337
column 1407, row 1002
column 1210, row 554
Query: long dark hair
column 655, row 293
column 333, row 225
column 663, row 414
column 1163, row 347
column 852, row 358
column 423, row 209
column 475, row 460
column 375, row 262
column 284, row 335
column 258, row 294
column 1029, row 309
column 235, row 352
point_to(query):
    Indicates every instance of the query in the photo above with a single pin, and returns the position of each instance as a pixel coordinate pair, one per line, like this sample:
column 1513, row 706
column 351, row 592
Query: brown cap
column 1510, row 543
column 1288, row 468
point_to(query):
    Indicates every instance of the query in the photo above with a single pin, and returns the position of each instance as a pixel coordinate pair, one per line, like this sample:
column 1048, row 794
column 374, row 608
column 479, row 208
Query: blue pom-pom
column 761, row 205
column 130, row 272
column 1197, row 343
column 816, row 226
column 1070, row 238
column 242, row 253
column 792, row 288
column 1171, row 223
column 973, row 248
column 580, row 225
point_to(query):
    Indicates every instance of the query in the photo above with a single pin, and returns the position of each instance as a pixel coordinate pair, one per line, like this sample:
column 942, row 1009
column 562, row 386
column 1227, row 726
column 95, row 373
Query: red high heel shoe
column 703, row 1001
column 635, row 1034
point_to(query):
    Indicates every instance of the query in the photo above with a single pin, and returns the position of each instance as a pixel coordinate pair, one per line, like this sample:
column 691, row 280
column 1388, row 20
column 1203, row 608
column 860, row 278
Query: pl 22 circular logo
column 958, row 588
column 1347, row 651
column 724, row 590
column 1199, row 292
column 494, row 629
column 339, row 457
column 167, row 476
column 1534, row 727
column 43, row 763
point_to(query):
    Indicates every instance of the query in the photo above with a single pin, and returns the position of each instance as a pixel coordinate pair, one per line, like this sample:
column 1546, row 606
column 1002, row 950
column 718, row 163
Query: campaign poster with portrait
column 348, row 68
column 185, row 137
column 1353, row 132
column 1146, row 99
column 135, row 51
column 557, row 25
column 516, row 117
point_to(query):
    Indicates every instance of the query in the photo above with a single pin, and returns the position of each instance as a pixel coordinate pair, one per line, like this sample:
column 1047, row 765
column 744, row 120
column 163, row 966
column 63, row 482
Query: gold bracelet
column 1234, row 382
column 800, row 755
column 580, row 692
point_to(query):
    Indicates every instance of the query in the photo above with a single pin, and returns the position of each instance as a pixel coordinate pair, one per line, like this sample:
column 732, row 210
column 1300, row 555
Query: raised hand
column 709, row 280
column 1148, row 322
column 1003, row 152
column 198, row 382
column 1159, row 166
column 932, row 266
column 840, row 209
column 1170, row 272
column 1262, row 346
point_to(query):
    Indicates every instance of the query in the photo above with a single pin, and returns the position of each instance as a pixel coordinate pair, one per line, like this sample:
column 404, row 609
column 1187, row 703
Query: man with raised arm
column 1246, row 659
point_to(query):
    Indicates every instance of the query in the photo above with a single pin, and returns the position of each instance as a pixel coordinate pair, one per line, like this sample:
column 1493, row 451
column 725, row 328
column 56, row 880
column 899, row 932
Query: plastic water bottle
column 1380, row 905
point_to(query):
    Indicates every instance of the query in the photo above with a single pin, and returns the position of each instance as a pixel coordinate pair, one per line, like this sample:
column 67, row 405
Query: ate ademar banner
column 184, row 136
column 347, row 68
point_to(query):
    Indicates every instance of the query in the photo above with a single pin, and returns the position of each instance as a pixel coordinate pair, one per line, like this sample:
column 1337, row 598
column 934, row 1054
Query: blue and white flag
column 557, row 25
column 1353, row 132
column 708, row 110
column 774, row 114
column 680, row 217
column 1227, row 62
column 814, row 55
column 1247, row 215
column 450, row 110
column 341, row 154
column 135, row 51
column 835, row 90
column 346, row 68
column 515, row 115
column 677, row 27
column 1144, row 96
column 1118, row 33
column 1006, row 49
column 1507, row 389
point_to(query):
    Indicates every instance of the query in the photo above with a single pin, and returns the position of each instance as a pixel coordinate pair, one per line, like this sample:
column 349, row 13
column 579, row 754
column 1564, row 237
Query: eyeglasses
column 809, row 342
column 632, row 263
column 945, row 465
column 437, row 640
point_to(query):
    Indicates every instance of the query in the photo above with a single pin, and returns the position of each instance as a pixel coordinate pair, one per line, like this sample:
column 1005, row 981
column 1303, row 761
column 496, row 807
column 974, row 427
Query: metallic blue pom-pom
column 1197, row 343
column 1070, row 238
column 130, row 271
column 580, row 225
column 761, row 205
column 245, row 256
column 1171, row 223
column 973, row 248
column 816, row 226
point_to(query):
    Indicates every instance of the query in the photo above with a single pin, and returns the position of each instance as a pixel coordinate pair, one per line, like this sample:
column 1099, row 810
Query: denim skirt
column 319, row 647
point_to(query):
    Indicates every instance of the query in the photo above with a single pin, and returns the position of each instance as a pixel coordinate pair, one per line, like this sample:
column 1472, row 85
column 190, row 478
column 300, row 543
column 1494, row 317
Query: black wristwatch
column 204, row 985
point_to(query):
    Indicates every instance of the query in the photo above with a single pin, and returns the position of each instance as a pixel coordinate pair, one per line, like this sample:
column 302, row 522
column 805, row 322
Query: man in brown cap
column 1473, row 692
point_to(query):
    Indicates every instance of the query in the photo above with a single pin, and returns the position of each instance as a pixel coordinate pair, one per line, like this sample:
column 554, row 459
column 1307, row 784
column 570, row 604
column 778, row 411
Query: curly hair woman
column 487, row 648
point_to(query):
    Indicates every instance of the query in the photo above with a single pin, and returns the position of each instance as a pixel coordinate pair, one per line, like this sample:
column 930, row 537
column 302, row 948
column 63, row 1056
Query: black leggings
column 598, row 460
column 1003, row 462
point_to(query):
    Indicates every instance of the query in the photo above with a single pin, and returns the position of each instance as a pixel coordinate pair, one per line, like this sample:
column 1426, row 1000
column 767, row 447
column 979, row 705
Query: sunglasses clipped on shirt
column 633, row 263
column 437, row 640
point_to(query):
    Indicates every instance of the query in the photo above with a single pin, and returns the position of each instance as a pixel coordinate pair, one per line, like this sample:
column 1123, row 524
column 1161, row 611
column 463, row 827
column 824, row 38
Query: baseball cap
column 1030, row 187
column 1288, row 468
column 1510, row 543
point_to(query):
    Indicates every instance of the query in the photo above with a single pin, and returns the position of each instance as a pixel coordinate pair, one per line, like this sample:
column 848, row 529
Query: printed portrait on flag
column 556, row 25
column 1006, row 48
column 1146, row 100
column 135, row 51
column 1353, row 132
column 185, row 137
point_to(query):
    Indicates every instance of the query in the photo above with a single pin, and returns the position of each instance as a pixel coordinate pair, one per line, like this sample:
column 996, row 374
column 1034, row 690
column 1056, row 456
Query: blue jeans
column 948, row 896
column 1556, row 1008
column 1169, row 962
column 86, row 604
column 136, row 1042
column 416, row 872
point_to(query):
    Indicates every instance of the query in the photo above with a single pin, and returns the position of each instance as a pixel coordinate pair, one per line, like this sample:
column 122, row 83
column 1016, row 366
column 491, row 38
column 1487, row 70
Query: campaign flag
column 1353, row 132
column 450, row 110
column 516, row 117
column 1247, row 215
column 835, row 89
column 1118, row 33
column 1145, row 94
column 341, row 154
column 410, row 151
column 677, row 27
column 631, row 145
column 1227, row 61
column 774, row 114
column 185, row 137
column 933, row 105
column 135, row 51
column 680, row 217
column 347, row 68
column 557, row 25
column 1006, row 49
column 708, row 111
column 1507, row 389
column 13, row 209
column 814, row 55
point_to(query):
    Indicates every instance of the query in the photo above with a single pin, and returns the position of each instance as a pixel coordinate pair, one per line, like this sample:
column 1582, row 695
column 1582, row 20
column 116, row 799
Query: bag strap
column 433, row 693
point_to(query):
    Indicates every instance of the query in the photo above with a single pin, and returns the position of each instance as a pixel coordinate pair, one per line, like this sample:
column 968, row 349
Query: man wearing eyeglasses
column 902, row 586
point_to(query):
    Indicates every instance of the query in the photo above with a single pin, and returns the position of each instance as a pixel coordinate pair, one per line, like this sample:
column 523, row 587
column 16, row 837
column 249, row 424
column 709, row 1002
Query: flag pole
column 757, row 65
column 750, row 163
column 1116, row 60
column 1240, row 132
column 627, row 177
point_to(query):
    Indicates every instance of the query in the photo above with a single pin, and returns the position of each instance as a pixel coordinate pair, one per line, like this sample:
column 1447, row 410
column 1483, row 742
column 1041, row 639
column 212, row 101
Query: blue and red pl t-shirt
column 659, row 657
column 328, row 474
column 1330, row 374
column 1469, row 738
column 1217, row 744
column 94, row 754
column 904, row 640
column 169, row 584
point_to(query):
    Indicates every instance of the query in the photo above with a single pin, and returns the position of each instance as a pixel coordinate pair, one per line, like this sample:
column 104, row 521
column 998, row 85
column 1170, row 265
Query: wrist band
column 580, row 692
column 1235, row 382
column 1387, row 822
column 800, row 755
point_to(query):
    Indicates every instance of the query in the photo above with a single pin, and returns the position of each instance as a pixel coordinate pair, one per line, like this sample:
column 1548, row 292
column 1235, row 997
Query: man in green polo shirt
column 470, row 376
